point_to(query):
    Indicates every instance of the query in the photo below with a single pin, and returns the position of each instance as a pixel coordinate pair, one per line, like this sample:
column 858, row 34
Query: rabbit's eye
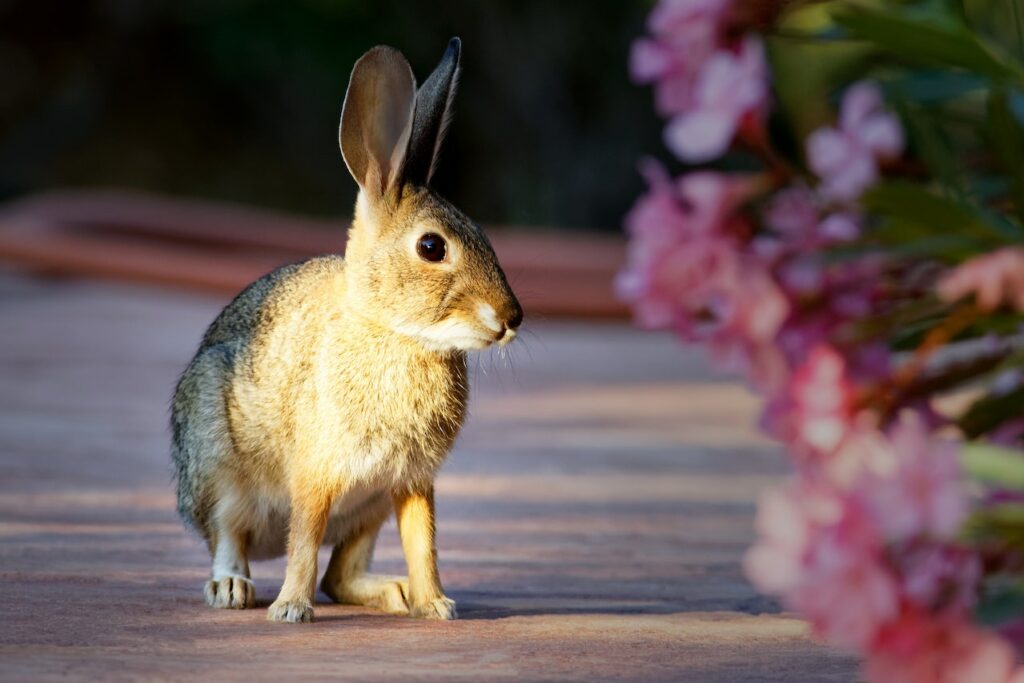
column 431, row 247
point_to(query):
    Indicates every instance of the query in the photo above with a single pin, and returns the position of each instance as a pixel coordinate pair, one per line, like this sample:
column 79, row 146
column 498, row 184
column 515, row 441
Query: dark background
column 240, row 100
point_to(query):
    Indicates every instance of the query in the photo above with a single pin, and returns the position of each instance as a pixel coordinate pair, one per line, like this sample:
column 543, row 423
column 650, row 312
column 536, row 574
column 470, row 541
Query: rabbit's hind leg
column 348, row 581
column 229, row 586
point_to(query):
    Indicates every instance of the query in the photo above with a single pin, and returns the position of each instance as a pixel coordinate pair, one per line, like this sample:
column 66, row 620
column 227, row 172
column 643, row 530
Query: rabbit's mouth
column 507, row 336
column 451, row 334
column 463, row 331
column 503, row 333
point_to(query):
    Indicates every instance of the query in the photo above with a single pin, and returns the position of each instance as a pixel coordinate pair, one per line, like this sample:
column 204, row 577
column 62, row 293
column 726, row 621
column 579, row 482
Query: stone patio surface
column 591, row 519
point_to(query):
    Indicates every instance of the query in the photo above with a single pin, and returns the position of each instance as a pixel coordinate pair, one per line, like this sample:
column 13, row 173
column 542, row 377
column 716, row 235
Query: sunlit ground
column 592, row 517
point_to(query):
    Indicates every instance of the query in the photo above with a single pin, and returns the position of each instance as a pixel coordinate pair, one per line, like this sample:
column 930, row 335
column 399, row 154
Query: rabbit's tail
column 201, row 436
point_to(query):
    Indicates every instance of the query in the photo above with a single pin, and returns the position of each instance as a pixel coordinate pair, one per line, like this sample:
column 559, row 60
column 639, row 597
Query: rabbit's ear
column 376, row 120
column 433, row 111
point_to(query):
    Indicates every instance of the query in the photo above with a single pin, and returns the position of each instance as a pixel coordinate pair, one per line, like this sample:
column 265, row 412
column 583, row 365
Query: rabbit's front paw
column 230, row 592
column 441, row 608
column 291, row 611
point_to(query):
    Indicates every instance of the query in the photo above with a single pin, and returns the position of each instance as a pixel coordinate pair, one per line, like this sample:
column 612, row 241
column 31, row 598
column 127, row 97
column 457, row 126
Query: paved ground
column 591, row 519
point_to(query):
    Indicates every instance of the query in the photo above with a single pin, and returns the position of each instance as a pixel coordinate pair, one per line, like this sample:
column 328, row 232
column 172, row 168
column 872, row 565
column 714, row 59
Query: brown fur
column 330, row 392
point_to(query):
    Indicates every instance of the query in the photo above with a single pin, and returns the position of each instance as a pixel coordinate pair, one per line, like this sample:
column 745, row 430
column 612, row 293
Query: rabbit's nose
column 514, row 318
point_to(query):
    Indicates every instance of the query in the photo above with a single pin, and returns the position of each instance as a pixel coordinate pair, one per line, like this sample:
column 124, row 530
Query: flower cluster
column 706, row 84
column 863, row 541
column 846, row 157
column 866, row 549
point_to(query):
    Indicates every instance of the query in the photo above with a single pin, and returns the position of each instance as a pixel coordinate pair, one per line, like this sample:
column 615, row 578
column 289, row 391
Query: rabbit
column 329, row 392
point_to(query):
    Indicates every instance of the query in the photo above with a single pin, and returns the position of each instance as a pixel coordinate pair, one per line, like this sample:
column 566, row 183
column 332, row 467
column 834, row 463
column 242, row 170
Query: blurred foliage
column 954, row 71
column 240, row 99
column 992, row 463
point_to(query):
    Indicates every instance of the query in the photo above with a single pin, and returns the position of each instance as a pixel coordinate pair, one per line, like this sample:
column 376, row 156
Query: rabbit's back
column 202, row 434
column 254, row 307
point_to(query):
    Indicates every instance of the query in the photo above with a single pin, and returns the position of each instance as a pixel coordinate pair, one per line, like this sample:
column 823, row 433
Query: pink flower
column 992, row 279
column 749, row 309
column 862, row 541
column 919, row 490
column 652, row 281
column 1013, row 631
column 730, row 85
column 687, row 18
column 802, row 332
column 792, row 213
column 861, row 115
column 848, row 592
column 775, row 563
column 680, row 252
column 713, row 197
column 845, row 158
column 794, row 251
column 939, row 578
column 686, row 34
column 815, row 412
column 826, row 299
column 803, row 275
column 852, row 289
column 848, row 595
column 870, row 362
column 821, row 548
column 977, row 657
column 845, row 167
column 787, row 521
column 659, row 217
column 707, row 88
column 672, row 70
column 917, row 648
column 864, row 450
column 822, row 400
column 839, row 227
column 650, row 60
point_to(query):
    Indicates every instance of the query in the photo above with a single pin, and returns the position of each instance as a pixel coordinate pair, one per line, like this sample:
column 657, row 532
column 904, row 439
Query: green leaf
column 951, row 249
column 902, row 314
column 997, row 465
column 933, row 86
column 926, row 38
column 987, row 187
column 918, row 206
column 1002, row 524
column 1016, row 102
column 920, row 221
column 995, row 324
column 1001, row 603
column 909, row 337
column 990, row 411
column 812, row 68
column 1006, row 138
column 930, row 142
